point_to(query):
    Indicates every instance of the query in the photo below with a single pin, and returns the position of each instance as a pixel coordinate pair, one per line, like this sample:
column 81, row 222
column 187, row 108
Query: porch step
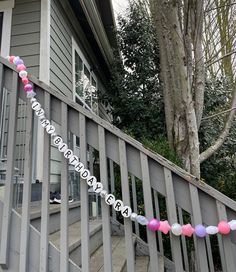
column 118, row 256
column 142, row 264
column 54, row 213
column 74, row 237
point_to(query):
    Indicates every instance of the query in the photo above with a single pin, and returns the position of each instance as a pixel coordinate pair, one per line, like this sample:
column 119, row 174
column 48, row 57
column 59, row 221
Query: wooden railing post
column 106, row 228
column 126, row 200
column 135, row 206
column 226, row 250
column 85, row 254
column 25, row 217
column 45, row 192
column 64, row 247
column 8, row 196
column 172, row 217
column 147, row 194
column 200, row 247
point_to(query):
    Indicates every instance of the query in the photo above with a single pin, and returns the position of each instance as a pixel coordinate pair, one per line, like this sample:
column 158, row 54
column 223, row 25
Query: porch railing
column 146, row 181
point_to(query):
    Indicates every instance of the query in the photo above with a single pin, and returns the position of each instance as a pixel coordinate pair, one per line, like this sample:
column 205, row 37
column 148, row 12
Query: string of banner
column 153, row 224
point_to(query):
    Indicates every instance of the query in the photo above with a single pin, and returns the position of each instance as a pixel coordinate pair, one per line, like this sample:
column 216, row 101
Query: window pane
column 78, row 75
column 1, row 22
column 87, row 87
column 94, row 96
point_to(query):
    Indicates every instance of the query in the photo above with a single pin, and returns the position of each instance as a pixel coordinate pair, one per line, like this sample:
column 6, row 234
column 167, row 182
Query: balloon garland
column 117, row 204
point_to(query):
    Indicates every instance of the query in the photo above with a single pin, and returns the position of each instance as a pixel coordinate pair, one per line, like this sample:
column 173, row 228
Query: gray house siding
column 60, row 51
column 25, row 36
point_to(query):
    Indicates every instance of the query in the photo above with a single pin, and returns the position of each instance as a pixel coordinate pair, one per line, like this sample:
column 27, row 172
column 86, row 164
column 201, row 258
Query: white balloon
column 42, row 118
column 103, row 193
column 57, row 140
column 36, row 105
column 212, row 230
column 142, row 220
column 68, row 153
column 110, row 199
column 126, row 211
column 232, row 224
column 73, row 160
column 23, row 74
column 79, row 167
column 84, row 174
column 133, row 216
column 91, row 180
column 39, row 112
column 118, row 205
column 45, row 123
column 97, row 187
column 176, row 229
column 32, row 100
column 62, row 147
column 31, row 94
column 50, row 129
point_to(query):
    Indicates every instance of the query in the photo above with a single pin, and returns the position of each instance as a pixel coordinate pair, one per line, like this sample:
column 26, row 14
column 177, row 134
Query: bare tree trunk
column 176, row 70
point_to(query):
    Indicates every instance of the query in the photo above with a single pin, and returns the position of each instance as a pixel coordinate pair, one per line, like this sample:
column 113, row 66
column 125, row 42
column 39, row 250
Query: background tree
column 179, row 25
column 135, row 90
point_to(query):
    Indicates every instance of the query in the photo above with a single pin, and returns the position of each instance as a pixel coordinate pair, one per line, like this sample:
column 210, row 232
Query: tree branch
column 225, row 56
column 218, row 143
column 226, row 5
column 217, row 114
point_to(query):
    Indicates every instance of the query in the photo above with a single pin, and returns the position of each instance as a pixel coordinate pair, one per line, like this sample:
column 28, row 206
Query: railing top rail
column 114, row 130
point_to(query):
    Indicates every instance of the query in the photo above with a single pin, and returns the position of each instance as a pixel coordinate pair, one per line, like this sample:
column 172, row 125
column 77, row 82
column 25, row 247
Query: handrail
column 128, row 139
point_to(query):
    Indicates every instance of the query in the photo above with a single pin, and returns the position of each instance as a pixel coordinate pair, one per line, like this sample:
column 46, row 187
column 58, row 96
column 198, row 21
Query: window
column 1, row 22
column 6, row 7
column 85, row 81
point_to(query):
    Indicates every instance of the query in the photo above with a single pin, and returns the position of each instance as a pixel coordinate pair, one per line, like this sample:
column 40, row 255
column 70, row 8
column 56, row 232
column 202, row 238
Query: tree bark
column 176, row 71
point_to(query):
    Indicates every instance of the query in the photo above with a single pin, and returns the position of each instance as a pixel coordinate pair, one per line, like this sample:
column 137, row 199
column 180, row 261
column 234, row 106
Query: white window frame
column 76, row 48
column 6, row 7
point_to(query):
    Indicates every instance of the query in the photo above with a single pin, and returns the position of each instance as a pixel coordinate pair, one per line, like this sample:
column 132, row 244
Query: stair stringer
column 34, row 248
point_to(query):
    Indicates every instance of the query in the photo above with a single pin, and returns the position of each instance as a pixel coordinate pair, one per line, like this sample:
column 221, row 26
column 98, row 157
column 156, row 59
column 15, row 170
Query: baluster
column 183, row 239
column 147, row 194
column 25, row 217
column 226, row 249
column 91, row 162
column 126, row 199
column 157, row 210
column 209, row 254
column 85, row 255
column 200, row 246
column 8, row 196
column 106, row 230
column 111, row 169
column 64, row 247
column 134, row 196
column 1, row 85
column 172, row 217
column 45, row 192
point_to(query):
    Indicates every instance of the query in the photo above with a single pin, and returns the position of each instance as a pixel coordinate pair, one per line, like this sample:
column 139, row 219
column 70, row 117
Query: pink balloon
column 25, row 80
column 224, row 227
column 11, row 59
column 187, row 230
column 164, row 227
column 20, row 67
column 153, row 224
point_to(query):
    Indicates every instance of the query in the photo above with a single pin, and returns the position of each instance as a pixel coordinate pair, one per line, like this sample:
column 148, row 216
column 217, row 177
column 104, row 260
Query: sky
column 119, row 6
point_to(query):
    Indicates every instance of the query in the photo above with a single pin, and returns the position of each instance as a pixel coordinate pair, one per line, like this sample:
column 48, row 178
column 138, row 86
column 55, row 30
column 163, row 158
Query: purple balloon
column 28, row 87
column 200, row 231
column 19, row 61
